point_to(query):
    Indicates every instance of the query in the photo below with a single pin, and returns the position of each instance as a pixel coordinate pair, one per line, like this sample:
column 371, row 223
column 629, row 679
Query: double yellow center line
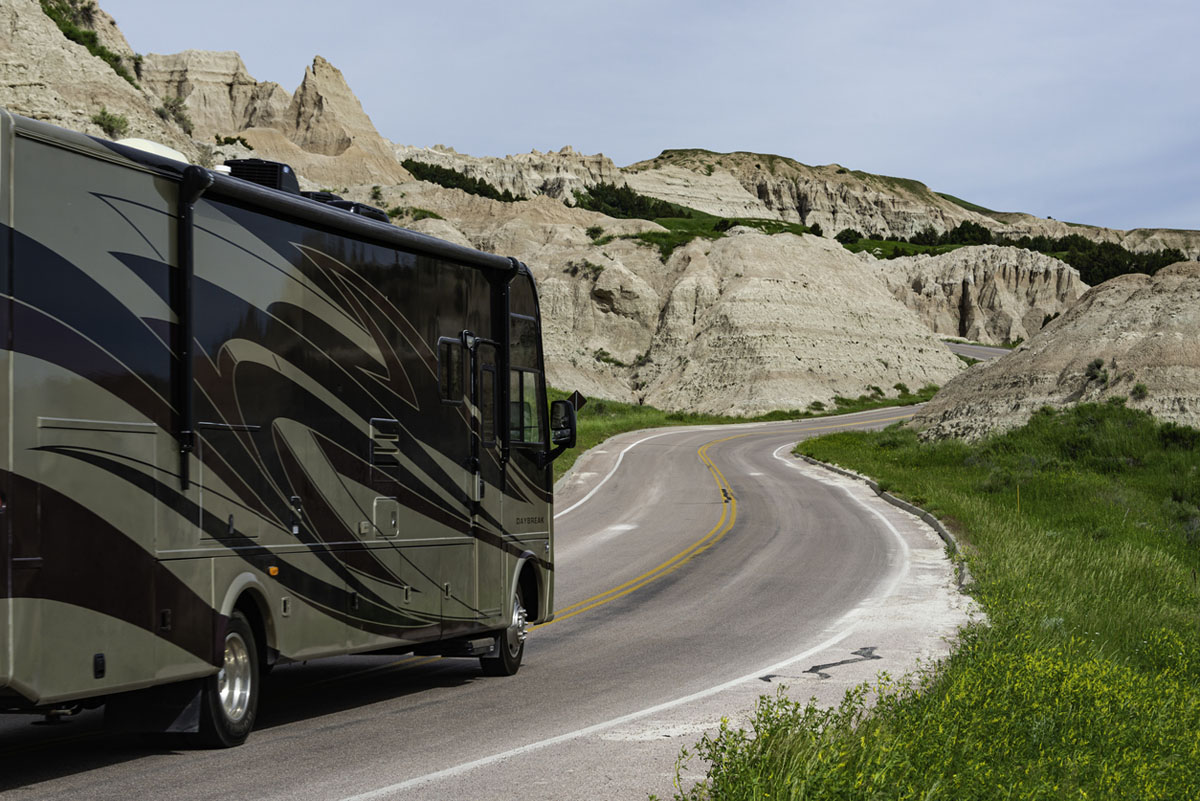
column 728, row 518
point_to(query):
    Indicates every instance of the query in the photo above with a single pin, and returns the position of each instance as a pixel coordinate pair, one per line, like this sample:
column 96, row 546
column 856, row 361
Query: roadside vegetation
column 600, row 419
column 454, row 179
column 1096, row 261
column 1082, row 530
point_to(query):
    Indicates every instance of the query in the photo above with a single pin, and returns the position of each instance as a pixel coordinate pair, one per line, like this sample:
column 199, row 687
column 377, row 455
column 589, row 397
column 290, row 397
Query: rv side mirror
column 562, row 424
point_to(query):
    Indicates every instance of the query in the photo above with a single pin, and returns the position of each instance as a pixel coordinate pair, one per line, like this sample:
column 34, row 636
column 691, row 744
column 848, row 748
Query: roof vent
column 272, row 174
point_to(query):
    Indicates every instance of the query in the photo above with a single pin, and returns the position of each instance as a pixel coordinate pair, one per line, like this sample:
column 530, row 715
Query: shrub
column 1139, row 392
column 1095, row 371
column 172, row 108
column 376, row 194
column 848, row 236
column 624, row 203
column 594, row 232
column 815, row 229
column 114, row 125
column 902, row 388
column 233, row 140
column 453, row 179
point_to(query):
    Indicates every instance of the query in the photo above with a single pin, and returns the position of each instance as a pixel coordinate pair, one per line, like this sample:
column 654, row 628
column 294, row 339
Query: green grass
column 681, row 230
column 968, row 205
column 1083, row 532
column 601, row 419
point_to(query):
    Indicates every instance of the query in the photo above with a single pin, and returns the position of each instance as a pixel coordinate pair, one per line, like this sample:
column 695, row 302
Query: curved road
column 697, row 568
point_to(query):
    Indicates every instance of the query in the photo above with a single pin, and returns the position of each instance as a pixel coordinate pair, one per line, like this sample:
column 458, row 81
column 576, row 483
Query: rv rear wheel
column 510, row 645
column 230, row 700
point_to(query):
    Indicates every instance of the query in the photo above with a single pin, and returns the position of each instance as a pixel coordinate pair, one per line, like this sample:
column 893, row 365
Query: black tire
column 229, row 702
column 510, row 644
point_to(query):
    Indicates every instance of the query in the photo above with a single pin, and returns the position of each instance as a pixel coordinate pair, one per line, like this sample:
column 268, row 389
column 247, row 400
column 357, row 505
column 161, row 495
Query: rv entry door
column 489, row 478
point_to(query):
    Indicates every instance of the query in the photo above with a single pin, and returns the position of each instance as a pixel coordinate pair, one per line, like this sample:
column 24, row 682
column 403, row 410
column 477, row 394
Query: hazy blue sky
column 1083, row 111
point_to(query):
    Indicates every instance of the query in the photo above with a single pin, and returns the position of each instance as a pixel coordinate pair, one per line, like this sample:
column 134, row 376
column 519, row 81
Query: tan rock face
column 742, row 325
column 321, row 130
column 219, row 94
column 1142, row 329
column 759, row 322
column 45, row 76
column 554, row 174
column 837, row 198
column 986, row 293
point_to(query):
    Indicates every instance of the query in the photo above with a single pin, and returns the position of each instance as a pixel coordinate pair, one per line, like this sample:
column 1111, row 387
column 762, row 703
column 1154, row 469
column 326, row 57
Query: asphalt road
column 981, row 352
column 696, row 568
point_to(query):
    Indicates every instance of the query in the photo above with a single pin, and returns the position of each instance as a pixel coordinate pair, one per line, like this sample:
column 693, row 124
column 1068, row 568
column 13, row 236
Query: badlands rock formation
column 555, row 174
column 220, row 95
column 1132, row 330
column 986, row 293
column 45, row 76
column 836, row 198
column 742, row 325
column 321, row 130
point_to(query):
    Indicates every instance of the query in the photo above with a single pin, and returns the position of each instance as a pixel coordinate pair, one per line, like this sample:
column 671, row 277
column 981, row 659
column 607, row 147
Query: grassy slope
column 601, row 419
column 1084, row 534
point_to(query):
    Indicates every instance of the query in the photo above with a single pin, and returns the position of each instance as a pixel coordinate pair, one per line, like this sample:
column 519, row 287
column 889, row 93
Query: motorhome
column 240, row 426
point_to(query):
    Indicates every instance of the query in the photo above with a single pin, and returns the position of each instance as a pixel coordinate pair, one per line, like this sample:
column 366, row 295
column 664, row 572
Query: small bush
column 815, row 229
column 114, row 125
column 594, row 232
column 1095, row 371
column 848, row 236
column 376, row 194
column 1139, row 392
column 233, row 140
column 902, row 388
column 172, row 108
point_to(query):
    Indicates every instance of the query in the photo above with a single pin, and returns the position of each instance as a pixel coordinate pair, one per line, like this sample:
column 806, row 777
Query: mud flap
column 169, row 709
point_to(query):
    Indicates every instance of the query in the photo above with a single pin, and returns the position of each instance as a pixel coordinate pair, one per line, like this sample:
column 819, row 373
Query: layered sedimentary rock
column 558, row 174
column 986, row 293
column 45, row 76
column 321, row 129
column 836, row 198
column 1135, row 337
column 743, row 324
column 219, row 94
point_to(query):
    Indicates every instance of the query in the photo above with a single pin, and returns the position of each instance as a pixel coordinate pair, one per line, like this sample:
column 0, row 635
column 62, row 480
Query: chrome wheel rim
column 518, row 630
column 233, row 680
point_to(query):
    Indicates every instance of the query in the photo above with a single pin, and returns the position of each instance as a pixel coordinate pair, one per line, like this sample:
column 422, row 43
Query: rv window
column 524, row 342
column 450, row 370
column 525, row 413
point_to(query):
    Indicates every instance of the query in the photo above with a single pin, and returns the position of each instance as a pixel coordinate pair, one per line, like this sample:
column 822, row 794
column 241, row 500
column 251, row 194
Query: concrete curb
column 965, row 579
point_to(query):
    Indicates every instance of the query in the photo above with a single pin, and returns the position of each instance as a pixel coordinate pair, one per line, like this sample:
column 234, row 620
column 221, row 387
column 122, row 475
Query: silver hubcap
column 233, row 681
column 518, row 630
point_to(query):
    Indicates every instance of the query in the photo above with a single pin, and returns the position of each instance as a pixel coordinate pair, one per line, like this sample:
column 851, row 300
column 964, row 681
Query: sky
column 1082, row 111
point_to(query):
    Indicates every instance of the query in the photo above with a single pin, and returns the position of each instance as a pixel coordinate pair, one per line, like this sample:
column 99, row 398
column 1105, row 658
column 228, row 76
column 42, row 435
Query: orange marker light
column 272, row 571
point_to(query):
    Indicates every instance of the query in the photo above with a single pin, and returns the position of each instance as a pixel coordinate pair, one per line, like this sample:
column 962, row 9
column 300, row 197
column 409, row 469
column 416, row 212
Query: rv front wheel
column 230, row 699
column 510, row 645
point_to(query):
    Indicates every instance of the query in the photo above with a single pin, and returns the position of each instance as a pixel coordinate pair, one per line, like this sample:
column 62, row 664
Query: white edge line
column 905, row 550
column 689, row 429
column 466, row 767
column 611, row 473
column 608, row 724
